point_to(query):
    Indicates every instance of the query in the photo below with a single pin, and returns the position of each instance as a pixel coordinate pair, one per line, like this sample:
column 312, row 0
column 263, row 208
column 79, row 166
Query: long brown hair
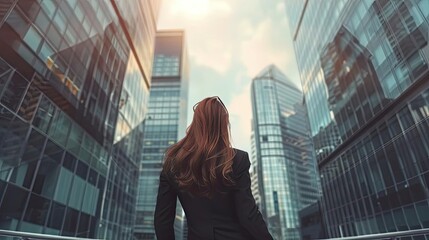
column 202, row 161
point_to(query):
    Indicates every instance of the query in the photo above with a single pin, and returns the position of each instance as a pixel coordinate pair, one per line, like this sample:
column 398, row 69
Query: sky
column 229, row 42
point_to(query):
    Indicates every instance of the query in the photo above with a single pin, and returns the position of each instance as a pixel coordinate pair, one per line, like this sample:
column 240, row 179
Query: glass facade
column 67, row 161
column 163, row 126
column 254, row 171
column 367, row 94
column 286, row 171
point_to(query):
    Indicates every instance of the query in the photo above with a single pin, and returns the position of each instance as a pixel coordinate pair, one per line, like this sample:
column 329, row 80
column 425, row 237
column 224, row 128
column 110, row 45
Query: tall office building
column 254, row 170
column 287, row 177
column 165, row 124
column 73, row 75
column 364, row 72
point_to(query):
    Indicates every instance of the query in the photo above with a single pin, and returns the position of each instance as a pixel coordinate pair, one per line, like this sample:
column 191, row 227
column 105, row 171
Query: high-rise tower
column 287, row 178
column 65, row 67
column 165, row 124
column 364, row 72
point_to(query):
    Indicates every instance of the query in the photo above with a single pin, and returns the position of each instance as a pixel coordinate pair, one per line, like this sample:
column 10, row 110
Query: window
column 90, row 199
column 394, row 163
column 44, row 115
column 48, row 170
column 417, row 64
column 92, row 177
column 60, row 127
column 79, row 14
column 82, row 170
column 422, row 210
column 390, row 86
column 17, row 22
column 13, row 207
column 37, row 210
column 388, row 219
column 60, row 21
column 49, row 7
column 417, row 16
column 15, row 90
column 42, row 21
column 63, row 185
column 379, row 55
column 406, row 118
column 69, row 162
column 54, row 37
column 56, row 216
column 76, row 192
column 33, row 39
column 400, row 220
column 13, row 132
column 23, row 174
column 70, row 223
column 46, row 52
column 83, row 229
column 424, row 7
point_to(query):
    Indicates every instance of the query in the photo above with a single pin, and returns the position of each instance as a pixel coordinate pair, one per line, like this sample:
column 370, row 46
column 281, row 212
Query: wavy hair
column 202, row 161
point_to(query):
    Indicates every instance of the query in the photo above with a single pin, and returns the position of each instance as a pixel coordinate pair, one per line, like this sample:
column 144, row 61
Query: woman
column 211, row 180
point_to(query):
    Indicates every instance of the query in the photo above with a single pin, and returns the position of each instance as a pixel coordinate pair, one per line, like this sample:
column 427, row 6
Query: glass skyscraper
column 286, row 171
column 254, row 170
column 74, row 81
column 364, row 73
column 164, row 125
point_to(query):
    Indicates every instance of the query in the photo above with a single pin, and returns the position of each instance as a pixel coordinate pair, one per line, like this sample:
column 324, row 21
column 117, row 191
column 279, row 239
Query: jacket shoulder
column 241, row 161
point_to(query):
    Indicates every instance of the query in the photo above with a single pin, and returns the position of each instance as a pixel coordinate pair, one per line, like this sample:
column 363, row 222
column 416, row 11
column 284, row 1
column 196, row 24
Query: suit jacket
column 231, row 215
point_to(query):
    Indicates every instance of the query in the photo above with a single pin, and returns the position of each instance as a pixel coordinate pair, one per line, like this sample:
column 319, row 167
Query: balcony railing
column 15, row 235
column 388, row 235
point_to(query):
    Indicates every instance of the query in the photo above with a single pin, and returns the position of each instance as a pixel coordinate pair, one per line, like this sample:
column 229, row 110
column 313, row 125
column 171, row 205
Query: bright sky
column 229, row 42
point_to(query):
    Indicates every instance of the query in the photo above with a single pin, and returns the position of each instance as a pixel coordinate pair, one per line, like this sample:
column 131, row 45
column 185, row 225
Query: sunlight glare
column 192, row 8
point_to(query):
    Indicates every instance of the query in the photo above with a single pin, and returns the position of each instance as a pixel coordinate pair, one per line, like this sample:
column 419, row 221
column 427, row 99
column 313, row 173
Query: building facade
column 164, row 125
column 364, row 73
column 311, row 222
column 286, row 172
column 253, row 171
column 66, row 163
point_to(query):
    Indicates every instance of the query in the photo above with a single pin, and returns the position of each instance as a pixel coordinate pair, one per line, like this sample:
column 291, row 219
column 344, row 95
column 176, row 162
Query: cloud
column 197, row 9
column 212, row 53
column 266, row 46
column 280, row 7
column 240, row 112
column 208, row 29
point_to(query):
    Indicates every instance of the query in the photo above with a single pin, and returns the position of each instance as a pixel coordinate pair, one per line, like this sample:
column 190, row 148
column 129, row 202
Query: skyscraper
column 254, row 170
column 364, row 72
column 287, row 177
column 65, row 67
column 165, row 124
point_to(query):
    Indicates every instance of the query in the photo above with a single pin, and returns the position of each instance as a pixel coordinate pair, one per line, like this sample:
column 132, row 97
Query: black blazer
column 232, row 215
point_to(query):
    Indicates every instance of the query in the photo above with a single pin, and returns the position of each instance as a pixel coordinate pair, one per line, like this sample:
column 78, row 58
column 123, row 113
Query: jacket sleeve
column 248, row 213
column 165, row 210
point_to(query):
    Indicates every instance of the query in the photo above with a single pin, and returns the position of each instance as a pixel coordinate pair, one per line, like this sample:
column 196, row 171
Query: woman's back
column 230, row 215
column 211, row 180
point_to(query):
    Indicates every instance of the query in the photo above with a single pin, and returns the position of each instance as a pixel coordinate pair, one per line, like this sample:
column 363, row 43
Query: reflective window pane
column 46, row 178
column 71, row 221
column 56, row 216
column 33, row 39
column 14, row 92
column 37, row 210
column 13, row 208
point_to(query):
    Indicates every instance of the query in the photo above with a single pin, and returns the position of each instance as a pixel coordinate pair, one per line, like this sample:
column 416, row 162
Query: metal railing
column 388, row 235
column 16, row 235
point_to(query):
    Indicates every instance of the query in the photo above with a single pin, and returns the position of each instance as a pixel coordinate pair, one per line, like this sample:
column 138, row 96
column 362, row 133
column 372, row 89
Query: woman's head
column 210, row 124
column 202, row 160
